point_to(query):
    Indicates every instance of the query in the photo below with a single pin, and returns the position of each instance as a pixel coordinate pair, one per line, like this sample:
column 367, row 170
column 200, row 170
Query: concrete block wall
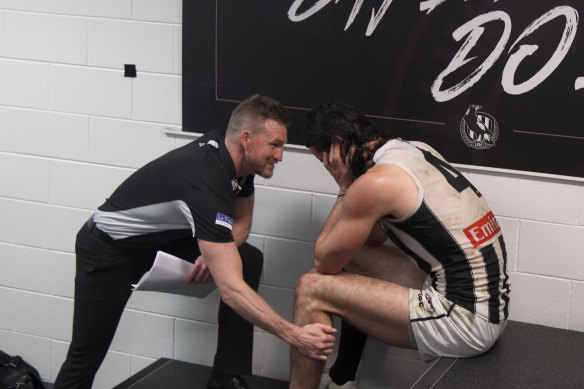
column 72, row 127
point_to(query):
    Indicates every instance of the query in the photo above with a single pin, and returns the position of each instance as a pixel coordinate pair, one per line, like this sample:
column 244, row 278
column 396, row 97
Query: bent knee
column 307, row 284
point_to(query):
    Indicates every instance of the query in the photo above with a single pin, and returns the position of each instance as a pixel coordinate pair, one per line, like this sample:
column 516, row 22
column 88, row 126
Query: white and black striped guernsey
column 451, row 233
column 188, row 191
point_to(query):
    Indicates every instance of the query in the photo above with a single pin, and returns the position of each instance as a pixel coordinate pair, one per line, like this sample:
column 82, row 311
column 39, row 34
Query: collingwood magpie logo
column 478, row 129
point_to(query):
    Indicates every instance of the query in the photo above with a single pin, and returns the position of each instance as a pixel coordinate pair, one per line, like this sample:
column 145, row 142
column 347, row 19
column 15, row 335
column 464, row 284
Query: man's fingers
column 199, row 273
column 327, row 329
column 207, row 278
column 191, row 274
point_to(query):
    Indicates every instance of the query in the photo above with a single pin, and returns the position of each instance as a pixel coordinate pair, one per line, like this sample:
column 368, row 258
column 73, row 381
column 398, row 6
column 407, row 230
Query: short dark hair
column 340, row 119
column 254, row 111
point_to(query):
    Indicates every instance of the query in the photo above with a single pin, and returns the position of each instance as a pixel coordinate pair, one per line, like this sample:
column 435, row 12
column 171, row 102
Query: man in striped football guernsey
column 439, row 286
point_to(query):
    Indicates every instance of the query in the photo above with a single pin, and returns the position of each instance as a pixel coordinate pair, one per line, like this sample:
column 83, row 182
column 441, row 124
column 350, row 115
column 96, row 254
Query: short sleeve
column 211, row 202
column 247, row 186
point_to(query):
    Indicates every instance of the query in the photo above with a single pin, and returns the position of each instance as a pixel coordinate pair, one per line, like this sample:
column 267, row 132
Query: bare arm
column 199, row 272
column 345, row 230
column 383, row 190
column 377, row 236
column 243, row 217
column 315, row 340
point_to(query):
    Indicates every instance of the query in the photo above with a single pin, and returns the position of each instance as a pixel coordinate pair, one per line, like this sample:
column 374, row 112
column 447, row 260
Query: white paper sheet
column 168, row 275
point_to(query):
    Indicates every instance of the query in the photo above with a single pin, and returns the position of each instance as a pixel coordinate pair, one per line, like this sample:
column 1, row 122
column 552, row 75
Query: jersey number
column 453, row 176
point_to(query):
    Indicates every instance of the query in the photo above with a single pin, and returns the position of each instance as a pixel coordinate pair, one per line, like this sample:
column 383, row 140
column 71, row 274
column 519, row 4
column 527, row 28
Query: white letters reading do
column 473, row 30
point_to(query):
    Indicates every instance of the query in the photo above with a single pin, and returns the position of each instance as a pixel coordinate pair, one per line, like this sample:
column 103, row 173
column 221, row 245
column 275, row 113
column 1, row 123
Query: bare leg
column 387, row 263
column 305, row 372
column 378, row 308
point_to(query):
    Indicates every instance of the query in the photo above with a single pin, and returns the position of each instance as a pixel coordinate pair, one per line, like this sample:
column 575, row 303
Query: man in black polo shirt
column 195, row 202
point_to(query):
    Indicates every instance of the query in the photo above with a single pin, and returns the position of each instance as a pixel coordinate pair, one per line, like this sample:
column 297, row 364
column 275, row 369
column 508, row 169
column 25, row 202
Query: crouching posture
column 441, row 287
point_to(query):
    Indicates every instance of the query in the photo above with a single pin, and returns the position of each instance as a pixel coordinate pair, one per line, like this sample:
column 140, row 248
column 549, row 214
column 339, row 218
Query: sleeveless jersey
column 451, row 232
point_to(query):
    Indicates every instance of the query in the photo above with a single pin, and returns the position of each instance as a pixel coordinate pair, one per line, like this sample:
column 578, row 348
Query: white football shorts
column 441, row 328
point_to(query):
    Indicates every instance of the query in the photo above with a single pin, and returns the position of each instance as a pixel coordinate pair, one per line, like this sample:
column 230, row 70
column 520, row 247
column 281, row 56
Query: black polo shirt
column 188, row 192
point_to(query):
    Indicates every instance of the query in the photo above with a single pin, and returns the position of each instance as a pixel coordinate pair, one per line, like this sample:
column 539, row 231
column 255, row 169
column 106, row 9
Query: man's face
column 266, row 148
column 360, row 161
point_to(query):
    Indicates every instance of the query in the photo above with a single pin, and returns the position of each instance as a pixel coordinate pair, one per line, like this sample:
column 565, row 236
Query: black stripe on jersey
column 506, row 280
column 452, row 176
column 436, row 239
column 425, row 266
column 491, row 261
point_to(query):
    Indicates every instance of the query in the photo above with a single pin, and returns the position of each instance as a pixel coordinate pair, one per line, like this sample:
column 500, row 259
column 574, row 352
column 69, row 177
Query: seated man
column 442, row 288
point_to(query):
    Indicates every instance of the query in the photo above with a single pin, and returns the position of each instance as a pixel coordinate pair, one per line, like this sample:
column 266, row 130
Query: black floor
column 169, row 373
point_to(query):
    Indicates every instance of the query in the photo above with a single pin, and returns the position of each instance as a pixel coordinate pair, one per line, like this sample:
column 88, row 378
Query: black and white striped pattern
column 434, row 232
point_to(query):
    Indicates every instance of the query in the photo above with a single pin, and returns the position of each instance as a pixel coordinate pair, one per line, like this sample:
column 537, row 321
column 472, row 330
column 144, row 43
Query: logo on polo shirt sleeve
column 224, row 221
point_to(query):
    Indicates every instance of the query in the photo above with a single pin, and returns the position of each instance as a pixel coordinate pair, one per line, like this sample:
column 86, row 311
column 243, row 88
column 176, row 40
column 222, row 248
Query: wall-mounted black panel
column 487, row 83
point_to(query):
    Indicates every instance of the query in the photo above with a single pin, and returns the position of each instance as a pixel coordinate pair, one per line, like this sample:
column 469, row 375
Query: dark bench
column 527, row 356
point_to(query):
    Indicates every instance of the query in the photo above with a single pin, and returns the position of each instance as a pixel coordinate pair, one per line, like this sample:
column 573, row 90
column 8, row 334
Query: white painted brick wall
column 169, row 11
column 42, row 315
column 42, row 133
column 157, row 98
column 530, row 199
column 24, row 178
column 6, row 299
column 551, row 249
column 126, row 143
column 112, row 43
column 45, row 226
column 2, row 36
column 24, row 84
column 576, row 321
column 539, row 299
column 4, row 134
column 4, row 220
column 100, row 92
column 189, row 308
column 580, row 208
column 134, row 335
column 103, row 8
column 49, row 38
column 62, row 274
column 195, row 341
column 72, row 128
column 28, row 5
column 82, row 185
column 16, row 263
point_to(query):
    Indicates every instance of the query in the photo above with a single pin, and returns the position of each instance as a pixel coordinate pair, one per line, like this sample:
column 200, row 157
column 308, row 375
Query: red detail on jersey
column 483, row 229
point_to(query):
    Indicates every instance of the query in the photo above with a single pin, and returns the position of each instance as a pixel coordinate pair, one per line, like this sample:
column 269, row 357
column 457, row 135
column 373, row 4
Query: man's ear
column 244, row 138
